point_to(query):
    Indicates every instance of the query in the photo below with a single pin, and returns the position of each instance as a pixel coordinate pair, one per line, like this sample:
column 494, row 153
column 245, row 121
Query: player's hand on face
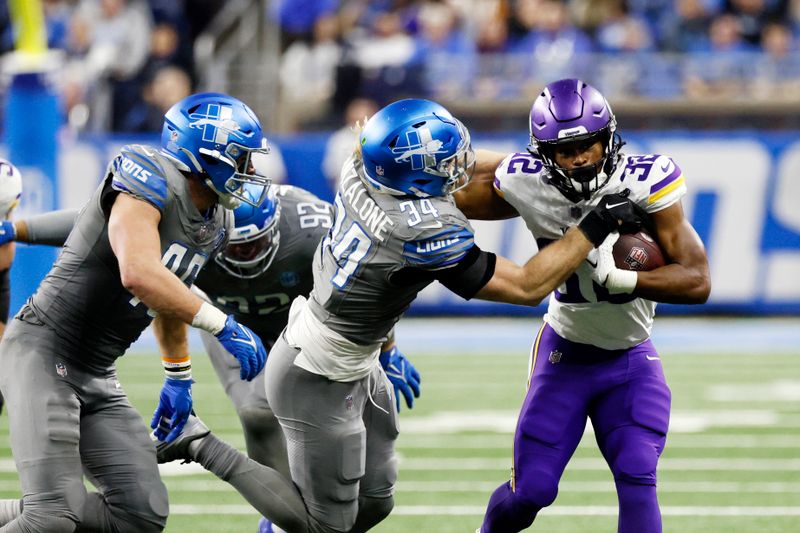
column 404, row 377
column 245, row 346
column 174, row 408
column 7, row 232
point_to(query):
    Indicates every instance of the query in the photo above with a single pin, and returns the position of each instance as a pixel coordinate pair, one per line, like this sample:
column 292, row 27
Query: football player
column 593, row 357
column 10, row 192
column 266, row 264
column 155, row 218
column 395, row 231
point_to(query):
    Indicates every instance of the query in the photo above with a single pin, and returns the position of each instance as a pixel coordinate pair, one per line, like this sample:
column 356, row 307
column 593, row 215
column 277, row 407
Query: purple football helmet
column 572, row 111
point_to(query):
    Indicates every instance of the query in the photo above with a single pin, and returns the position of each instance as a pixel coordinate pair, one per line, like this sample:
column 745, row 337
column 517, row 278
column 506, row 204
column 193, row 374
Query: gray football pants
column 340, row 439
column 66, row 422
column 262, row 432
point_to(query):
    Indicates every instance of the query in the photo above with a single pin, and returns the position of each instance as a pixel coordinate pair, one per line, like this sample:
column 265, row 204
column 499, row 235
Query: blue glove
column 245, row 346
column 174, row 408
column 7, row 232
column 402, row 374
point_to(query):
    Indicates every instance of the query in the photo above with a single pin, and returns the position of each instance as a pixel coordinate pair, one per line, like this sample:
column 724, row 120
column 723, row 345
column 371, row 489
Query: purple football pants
column 625, row 395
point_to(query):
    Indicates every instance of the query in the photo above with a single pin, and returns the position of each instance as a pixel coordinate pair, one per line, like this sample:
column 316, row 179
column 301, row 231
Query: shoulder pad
column 137, row 172
column 296, row 193
column 516, row 165
column 439, row 248
column 656, row 178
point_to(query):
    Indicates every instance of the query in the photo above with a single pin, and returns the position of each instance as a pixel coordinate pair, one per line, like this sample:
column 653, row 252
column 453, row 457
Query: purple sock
column 506, row 513
column 638, row 508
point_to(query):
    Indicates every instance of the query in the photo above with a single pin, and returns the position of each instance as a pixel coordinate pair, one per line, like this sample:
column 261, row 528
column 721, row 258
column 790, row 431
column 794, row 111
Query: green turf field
column 732, row 462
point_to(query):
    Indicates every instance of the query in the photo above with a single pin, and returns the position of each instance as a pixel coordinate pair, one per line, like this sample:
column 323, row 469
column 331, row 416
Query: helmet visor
column 243, row 159
column 457, row 168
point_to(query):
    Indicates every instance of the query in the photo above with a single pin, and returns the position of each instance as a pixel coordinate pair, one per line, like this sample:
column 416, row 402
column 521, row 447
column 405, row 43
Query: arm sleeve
column 5, row 295
column 469, row 275
column 51, row 228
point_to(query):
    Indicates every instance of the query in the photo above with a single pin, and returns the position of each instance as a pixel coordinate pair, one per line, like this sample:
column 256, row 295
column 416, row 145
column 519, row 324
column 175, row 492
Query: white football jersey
column 10, row 188
column 581, row 310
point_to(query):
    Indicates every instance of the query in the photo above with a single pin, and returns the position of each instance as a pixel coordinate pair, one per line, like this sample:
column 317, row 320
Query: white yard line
column 580, row 463
column 703, row 487
column 477, row 510
column 181, row 484
column 677, row 440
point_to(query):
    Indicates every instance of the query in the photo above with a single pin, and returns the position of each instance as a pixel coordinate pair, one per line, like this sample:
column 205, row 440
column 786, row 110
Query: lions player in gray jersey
column 137, row 244
column 396, row 230
column 266, row 264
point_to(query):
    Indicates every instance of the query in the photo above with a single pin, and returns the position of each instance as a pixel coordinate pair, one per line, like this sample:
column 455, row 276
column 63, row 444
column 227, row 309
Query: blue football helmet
column 415, row 148
column 216, row 135
column 255, row 238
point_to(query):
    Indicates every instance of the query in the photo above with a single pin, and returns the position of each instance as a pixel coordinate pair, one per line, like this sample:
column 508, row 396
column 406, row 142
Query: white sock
column 9, row 510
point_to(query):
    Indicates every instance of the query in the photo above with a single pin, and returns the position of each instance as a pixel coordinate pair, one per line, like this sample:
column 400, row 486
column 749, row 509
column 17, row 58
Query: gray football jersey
column 82, row 297
column 381, row 251
column 262, row 303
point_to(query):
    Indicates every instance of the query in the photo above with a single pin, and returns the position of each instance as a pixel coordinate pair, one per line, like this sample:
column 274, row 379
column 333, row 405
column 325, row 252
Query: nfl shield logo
column 637, row 258
column 61, row 370
column 555, row 357
column 379, row 170
column 348, row 402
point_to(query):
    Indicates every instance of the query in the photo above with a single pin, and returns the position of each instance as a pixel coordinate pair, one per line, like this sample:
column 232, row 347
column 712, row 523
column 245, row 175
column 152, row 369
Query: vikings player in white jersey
column 593, row 357
column 396, row 230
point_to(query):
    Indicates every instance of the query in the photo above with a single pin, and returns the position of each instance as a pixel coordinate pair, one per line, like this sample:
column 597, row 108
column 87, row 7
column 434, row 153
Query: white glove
column 605, row 271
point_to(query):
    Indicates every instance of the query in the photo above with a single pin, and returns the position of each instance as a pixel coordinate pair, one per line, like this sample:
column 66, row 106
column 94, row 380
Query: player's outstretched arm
column 528, row 285
column 479, row 200
column 51, row 228
column 549, row 268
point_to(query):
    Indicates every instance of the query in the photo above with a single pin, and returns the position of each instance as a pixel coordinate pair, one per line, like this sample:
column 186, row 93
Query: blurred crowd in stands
column 133, row 58
column 125, row 61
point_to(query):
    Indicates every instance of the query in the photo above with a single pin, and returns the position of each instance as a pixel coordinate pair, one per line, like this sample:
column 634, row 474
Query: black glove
column 615, row 212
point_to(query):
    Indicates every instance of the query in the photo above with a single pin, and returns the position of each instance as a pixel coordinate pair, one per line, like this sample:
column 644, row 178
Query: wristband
column 622, row 281
column 595, row 228
column 209, row 318
column 178, row 368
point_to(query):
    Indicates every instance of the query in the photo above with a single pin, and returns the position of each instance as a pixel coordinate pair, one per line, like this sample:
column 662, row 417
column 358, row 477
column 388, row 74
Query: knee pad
column 536, row 490
column 374, row 510
column 147, row 511
column 37, row 521
column 636, row 465
column 258, row 420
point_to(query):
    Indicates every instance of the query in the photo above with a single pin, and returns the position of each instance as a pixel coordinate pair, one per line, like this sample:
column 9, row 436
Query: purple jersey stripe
column 666, row 181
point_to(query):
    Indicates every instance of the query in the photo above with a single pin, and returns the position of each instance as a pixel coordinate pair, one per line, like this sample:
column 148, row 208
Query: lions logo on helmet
column 216, row 135
column 571, row 111
column 10, row 187
column 417, row 148
column 255, row 238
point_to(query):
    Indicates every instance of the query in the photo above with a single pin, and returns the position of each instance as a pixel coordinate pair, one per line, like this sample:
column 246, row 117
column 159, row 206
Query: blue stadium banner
column 743, row 190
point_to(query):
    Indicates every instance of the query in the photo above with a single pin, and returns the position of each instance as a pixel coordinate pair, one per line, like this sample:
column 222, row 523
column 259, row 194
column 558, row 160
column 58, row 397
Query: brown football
column 637, row 251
